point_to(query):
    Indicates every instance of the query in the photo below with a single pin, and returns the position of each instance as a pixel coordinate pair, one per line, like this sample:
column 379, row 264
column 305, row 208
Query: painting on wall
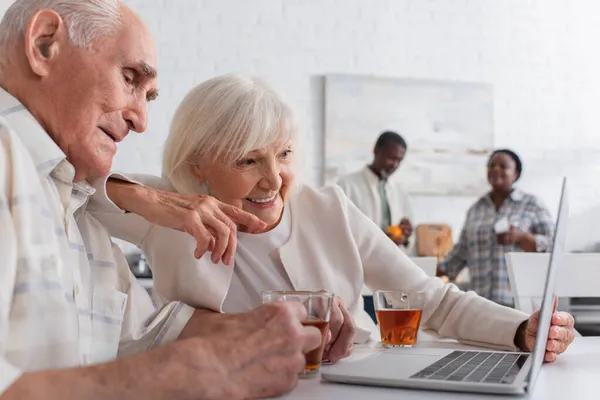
column 448, row 127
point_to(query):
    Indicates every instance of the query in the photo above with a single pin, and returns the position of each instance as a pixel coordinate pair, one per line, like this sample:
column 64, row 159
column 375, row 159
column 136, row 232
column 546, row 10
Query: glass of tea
column 318, row 313
column 399, row 316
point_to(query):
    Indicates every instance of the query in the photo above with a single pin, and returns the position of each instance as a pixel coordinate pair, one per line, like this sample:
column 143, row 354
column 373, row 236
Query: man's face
column 94, row 97
column 388, row 158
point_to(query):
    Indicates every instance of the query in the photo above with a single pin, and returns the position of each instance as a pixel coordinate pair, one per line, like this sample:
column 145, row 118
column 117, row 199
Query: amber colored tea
column 313, row 357
column 398, row 327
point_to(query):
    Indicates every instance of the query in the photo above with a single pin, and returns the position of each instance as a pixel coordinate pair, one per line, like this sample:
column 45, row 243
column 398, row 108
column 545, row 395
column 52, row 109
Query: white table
column 575, row 375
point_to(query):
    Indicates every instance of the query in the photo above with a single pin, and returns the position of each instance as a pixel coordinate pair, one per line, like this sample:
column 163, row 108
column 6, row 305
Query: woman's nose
column 272, row 178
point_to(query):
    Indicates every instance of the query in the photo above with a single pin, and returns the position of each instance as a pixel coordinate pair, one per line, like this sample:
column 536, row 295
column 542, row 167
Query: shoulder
column 326, row 202
column 322, row 196
column 480, row 201
column 476, row 206
column 351, row 179
column 533, row 201
column 13, row 153
column 8, row 138
column 322, row 212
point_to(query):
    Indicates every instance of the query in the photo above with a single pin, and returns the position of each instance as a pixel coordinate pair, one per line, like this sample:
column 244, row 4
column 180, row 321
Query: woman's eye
column 286, row 153
column 247, row 161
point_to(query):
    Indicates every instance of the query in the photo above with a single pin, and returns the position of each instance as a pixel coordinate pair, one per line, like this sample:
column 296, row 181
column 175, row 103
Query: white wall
column 540, row 55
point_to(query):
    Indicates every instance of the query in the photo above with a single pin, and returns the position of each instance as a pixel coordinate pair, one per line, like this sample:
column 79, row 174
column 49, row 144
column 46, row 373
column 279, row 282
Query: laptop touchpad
column 385, row 365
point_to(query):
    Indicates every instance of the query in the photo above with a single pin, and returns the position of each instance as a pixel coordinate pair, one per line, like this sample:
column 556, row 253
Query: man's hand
column 245, row 356
column 252, row 355
column 560, row 336
column 407, row 228
column 341, row 333
column 340, row 338
column 398, row 241
column 212, row 223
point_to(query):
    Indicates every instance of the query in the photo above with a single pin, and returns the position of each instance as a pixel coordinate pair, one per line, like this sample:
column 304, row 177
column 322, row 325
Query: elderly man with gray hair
column 75, row 78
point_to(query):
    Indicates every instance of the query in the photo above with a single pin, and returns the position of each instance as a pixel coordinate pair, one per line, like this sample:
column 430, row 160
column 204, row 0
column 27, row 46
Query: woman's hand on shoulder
column 211, row 223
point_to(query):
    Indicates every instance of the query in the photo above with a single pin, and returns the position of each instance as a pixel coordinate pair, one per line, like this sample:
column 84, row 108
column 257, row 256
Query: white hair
column 86, row 20
column 223, row 119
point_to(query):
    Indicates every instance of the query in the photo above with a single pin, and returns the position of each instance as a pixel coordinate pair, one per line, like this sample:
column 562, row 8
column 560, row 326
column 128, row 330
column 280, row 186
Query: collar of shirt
column 516, row 196
column 372, row 177
column 49, row 159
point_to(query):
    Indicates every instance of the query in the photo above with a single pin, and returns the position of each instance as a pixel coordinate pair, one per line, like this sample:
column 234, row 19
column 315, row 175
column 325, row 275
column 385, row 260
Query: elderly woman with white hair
column 233, row 138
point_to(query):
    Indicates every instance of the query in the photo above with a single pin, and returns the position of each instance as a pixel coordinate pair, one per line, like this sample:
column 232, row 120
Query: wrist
column 524, row 237
column 127, row 195
column 520, row 336
column 200, row 322
column 528, row 242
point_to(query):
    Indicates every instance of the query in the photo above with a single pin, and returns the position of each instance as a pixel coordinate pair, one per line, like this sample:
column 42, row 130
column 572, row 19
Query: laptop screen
column 558, row 249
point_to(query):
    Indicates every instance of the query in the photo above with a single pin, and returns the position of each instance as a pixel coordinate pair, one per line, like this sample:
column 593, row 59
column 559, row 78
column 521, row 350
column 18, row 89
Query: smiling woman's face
column 502, row 171
column 258, row 183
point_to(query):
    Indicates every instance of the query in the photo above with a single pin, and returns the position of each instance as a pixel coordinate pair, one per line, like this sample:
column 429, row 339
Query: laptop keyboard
column 474, row 366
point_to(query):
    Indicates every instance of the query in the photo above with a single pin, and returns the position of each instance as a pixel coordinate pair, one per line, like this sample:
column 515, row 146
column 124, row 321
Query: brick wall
column 540, row 55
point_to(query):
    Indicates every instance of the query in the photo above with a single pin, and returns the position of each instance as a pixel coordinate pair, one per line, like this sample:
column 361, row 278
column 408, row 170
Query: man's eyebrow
column 147, row 70
column 149, row 73
column 152, row 95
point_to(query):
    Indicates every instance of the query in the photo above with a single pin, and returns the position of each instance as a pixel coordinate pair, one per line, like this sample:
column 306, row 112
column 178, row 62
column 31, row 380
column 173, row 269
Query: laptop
column 496, row 372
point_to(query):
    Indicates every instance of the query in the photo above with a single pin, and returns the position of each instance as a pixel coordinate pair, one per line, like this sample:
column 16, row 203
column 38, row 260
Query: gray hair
column 223, row 118
column 86, row 20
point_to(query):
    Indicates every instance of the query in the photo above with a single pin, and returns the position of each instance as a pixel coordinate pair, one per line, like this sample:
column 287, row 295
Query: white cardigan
column 332, row 246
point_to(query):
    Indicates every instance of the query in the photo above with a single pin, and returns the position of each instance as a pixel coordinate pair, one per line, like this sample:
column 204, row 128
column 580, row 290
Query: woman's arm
column 447, row 310
column 211, row 223
column 106, row 205
column 178, row 274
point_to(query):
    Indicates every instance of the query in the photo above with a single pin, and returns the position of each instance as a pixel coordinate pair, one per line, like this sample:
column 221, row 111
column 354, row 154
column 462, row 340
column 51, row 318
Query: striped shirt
column 67, row 297
column 477, row 248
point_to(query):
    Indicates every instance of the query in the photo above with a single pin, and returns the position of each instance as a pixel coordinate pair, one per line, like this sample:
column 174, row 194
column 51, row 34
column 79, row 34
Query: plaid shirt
column 477, row 248
column 67, row 297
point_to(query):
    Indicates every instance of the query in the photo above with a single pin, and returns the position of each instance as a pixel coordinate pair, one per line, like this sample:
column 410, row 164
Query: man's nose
column 137, row 116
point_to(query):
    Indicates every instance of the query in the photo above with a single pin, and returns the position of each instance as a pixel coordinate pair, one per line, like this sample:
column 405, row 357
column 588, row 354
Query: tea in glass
column 398, row 316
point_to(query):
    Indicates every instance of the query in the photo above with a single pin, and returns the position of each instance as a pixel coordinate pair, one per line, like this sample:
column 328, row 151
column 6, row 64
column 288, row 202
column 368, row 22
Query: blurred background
column 538, row 58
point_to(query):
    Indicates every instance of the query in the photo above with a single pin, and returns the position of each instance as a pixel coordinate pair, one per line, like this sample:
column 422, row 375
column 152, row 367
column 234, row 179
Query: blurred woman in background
column 505, row 220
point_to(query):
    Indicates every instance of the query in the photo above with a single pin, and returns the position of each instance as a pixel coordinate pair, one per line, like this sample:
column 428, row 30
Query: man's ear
column 45, row 34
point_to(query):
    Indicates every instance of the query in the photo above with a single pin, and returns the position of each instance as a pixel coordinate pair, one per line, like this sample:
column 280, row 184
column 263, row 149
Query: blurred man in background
column 379, row 198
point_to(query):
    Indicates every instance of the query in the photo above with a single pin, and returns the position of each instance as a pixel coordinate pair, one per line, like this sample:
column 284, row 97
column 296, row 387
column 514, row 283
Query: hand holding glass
column 318, row 314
